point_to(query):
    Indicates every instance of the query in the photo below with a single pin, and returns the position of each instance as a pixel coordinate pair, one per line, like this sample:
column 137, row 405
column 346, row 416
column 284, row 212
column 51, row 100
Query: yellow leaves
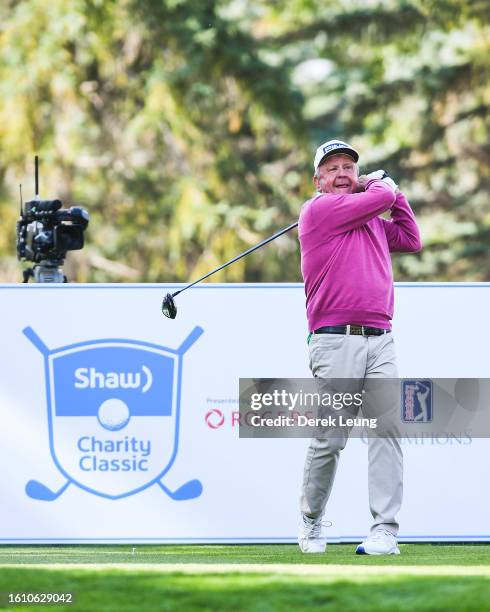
column 159, row 98
column 223, row 246
column 192, row 210
column 198, row 240
column 162, row 104
column 234, row 121
column 7, row 224
column 15, row 127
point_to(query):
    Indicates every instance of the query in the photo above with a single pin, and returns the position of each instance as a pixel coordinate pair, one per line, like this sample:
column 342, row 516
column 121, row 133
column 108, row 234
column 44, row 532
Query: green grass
column 261, row 578
column 411, row 554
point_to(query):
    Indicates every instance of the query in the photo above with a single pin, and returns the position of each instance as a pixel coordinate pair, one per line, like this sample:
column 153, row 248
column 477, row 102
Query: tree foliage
column 408, row 82
column 188, row 129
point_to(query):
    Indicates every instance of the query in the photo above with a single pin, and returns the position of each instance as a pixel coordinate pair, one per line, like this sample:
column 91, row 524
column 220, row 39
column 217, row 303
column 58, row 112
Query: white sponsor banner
column 120, row 425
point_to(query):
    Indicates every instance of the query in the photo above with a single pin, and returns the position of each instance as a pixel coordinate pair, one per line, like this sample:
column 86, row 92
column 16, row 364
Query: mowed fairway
column 261, row 577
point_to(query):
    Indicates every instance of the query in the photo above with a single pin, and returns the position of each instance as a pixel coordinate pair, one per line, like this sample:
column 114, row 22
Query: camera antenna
column 36, row 176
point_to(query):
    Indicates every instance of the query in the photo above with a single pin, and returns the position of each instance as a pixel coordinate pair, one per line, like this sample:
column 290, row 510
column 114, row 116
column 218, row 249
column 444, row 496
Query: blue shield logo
column 113, row 415
column 417, row 404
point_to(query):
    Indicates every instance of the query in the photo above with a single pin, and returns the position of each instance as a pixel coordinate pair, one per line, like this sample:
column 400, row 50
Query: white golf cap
column 334, row 147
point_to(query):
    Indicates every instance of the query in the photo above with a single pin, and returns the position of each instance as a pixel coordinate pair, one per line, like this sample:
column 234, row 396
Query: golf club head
column 36, row 490
column 169, row 308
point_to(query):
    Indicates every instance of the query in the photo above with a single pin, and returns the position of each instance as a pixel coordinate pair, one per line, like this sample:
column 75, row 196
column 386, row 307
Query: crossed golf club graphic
column 189, row 490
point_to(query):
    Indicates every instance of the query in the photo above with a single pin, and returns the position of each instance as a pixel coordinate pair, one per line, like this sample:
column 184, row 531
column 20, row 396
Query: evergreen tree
column 407, row 82
column 188, row 129
column 164, row 121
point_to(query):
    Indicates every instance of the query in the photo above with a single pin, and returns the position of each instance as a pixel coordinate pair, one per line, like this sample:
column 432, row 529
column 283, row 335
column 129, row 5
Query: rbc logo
column 417, row 404
column 113, row 415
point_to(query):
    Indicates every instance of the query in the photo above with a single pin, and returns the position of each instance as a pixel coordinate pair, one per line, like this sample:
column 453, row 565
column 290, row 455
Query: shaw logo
column 214, row 418
column 92, row 379
column 113, row 415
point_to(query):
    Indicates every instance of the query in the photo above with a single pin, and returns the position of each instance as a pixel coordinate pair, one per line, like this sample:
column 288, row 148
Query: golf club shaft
column 247, row 252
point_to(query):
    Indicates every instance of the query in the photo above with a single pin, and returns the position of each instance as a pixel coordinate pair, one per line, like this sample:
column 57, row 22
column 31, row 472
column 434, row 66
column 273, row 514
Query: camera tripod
column 49, row 271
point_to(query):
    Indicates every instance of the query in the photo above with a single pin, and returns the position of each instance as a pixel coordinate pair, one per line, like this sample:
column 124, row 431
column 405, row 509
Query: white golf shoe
column 381, row 542
column 310, row 538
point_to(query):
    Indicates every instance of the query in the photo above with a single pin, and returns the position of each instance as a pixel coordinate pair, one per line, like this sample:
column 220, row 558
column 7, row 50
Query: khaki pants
column 346, row 356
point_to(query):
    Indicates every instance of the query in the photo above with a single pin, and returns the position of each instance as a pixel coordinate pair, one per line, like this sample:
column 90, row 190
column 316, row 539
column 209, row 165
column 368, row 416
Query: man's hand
column 361, row 183
column 377, row 175
column 380, row 175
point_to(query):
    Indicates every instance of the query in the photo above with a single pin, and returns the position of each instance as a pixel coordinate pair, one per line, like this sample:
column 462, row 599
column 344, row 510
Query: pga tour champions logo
column 113, row 415
column 417, row 404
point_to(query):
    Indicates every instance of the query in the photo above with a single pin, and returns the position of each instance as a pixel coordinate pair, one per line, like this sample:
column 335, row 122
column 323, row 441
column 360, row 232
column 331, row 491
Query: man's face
column 337, row 174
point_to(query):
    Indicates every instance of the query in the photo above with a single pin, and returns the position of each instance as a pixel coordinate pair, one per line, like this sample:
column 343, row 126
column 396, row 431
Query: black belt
column 353, row 330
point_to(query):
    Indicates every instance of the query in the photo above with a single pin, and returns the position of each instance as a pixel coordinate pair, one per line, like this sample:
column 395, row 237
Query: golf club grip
column 247, row 252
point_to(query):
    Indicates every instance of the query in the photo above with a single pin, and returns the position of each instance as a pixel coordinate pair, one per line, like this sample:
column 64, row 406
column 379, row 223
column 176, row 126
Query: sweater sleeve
column 337, row 213
column 402, row 231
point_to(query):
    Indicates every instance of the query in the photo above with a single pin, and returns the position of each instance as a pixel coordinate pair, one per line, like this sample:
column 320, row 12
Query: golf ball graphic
column 113, row 414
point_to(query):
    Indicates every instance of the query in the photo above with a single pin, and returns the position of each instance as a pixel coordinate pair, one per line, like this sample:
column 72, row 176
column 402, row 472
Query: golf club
column 169, row 308
column 189, row 490
column 38, row 490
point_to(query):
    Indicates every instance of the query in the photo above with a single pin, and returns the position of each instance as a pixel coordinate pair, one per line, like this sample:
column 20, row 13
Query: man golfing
column 346, row 266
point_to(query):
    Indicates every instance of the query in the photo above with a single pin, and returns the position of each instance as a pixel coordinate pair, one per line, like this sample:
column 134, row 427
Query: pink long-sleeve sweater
column 345, row 255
